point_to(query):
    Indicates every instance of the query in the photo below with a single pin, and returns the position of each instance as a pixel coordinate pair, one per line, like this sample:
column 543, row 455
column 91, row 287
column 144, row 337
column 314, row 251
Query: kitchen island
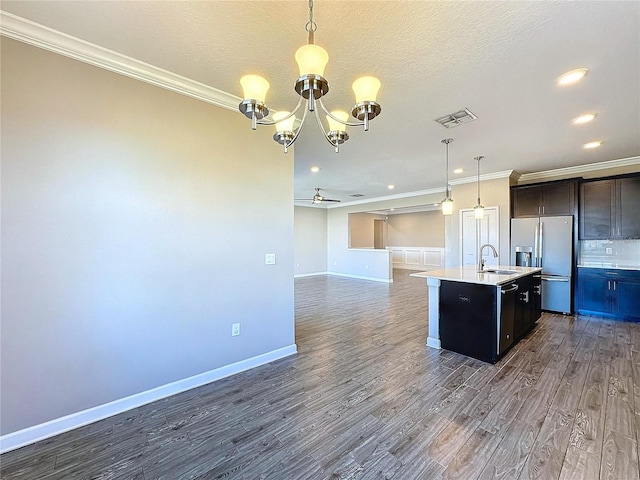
column 481, row 315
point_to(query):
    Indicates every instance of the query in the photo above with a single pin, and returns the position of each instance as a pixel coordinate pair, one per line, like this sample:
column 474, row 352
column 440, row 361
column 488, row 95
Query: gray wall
column 419, row 229
column 310, row 250
column 493, row 193
column 361, row 229
column 339, row 258
column 131, row 237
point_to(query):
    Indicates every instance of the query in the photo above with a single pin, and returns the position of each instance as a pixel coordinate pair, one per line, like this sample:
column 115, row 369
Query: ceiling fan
column 317, row 198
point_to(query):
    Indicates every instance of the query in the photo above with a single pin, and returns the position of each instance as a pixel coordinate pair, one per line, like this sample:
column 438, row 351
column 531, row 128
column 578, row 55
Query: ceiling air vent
column 458, row 118
column 357, row 195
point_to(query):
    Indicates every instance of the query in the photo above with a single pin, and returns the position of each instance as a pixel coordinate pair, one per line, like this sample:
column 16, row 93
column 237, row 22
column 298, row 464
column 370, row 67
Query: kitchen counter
column 609, row 265
column 469, row 274
column 457, row 300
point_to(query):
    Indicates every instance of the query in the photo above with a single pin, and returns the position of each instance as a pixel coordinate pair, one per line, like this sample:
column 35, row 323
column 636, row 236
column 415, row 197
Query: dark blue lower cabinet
column 628, row 298
column 610, row 293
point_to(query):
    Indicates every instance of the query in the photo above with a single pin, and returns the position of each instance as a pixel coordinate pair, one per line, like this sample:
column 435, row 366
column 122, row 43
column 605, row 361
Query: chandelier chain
column 311, row 26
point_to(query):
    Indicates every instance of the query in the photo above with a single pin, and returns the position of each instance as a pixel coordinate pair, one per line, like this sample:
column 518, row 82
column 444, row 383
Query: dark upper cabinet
column 554, row 198
column 609, row 209
column 597, row 216
column 628, row 214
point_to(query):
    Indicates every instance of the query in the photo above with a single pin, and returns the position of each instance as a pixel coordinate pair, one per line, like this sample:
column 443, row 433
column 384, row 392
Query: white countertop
column 468, row 274
column 609, row 265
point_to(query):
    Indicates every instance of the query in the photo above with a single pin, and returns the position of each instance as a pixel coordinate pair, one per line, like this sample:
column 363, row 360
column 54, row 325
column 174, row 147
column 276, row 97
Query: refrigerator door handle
column 555, row 279
column 535, row 245
column 540, row 243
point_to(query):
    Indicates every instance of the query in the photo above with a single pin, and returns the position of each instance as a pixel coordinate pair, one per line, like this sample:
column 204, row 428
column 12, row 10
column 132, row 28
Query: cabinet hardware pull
column 608, row 284
column 513, row 288
column 614, row 285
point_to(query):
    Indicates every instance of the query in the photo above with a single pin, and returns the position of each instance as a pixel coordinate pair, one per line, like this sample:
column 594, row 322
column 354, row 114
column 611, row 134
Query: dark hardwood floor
column 365, row 398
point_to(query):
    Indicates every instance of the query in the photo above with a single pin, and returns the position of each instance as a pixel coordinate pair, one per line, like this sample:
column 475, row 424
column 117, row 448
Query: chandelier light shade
column 254, row 87
column 284, row 128
column 310, row 86
column 287, row 123
column 447, row 203
column 312, row 60
column 366, row 88
column 478, row 210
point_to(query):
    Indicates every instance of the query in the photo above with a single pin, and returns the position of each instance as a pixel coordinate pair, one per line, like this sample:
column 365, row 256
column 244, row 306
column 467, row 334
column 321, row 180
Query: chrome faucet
column 481, row 260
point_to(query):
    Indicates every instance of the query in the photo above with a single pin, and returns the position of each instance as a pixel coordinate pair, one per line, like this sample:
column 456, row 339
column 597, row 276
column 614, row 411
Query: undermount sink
column 499, row 272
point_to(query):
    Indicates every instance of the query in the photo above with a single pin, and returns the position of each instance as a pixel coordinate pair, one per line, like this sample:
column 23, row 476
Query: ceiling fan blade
column 329, row 200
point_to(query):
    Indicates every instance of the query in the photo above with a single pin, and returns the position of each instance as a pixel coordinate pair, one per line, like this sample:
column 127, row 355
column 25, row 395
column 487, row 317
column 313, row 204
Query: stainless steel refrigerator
column 546, row 242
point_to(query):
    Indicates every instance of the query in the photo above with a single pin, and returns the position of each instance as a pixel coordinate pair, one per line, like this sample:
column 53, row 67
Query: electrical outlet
column 235, row 329
column 270, row 258
column 366, row 267
column 609, row 251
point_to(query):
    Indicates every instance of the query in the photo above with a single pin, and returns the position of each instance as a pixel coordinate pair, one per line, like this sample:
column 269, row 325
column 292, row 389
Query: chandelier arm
column 295, row 137
column 324, row 132
column 347, row 124
column 273, row 122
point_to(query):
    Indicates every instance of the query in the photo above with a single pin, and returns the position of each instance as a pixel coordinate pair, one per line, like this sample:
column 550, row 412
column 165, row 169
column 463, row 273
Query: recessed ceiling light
column 315, row 169
column 458, row 170
column 586, row 118
column 573, row 76
column 593, row 144
column 391, row 209
column 391, row 187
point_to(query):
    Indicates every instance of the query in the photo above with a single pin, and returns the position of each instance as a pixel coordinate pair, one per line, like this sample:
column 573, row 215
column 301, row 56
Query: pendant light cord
column 478, row 159
column 447, row 141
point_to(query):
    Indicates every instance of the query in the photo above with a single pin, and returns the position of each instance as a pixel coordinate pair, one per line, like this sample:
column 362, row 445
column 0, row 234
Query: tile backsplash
column 622, row 253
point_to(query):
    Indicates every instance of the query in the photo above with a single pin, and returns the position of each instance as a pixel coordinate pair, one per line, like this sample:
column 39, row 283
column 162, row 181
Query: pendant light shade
column 447, row 203
column 478, row 210
column 447, row 206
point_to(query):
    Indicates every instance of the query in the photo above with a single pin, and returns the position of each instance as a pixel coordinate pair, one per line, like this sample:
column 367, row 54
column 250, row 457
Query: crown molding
column 26, row 31
column 577, row 170
column 460, row 181
column 483, row 178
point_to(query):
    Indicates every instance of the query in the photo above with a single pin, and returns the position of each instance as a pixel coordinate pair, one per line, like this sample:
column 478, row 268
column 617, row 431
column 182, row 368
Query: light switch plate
column 270, row 259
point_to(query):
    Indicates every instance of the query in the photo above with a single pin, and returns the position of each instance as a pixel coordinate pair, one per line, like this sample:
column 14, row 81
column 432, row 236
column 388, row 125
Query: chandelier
column 310, row 86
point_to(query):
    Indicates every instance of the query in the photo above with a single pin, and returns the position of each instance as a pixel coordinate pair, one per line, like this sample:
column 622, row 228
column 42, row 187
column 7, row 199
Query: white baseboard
column 360, row 277
column 18, row 439
column 416, row 269
column 300, row 275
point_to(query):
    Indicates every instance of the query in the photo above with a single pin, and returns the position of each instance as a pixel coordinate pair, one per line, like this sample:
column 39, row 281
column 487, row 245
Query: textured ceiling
column 499, row 59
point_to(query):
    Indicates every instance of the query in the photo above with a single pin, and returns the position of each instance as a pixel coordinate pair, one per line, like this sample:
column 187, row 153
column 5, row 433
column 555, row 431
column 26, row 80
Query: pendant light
column 478, row 210
column 447, row 203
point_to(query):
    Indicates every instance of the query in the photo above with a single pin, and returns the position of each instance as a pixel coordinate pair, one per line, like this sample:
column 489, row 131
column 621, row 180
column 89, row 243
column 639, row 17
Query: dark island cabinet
column 528, row 304
column 609, row 209
column 548, row 199
column 610, row 293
